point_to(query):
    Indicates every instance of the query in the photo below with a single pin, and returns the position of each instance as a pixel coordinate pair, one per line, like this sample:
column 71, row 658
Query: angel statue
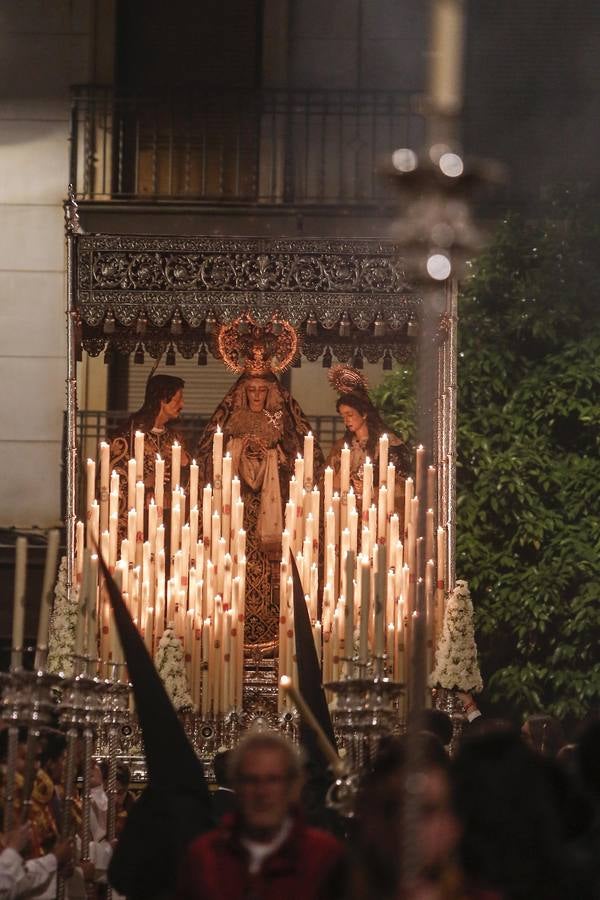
column 363, row 428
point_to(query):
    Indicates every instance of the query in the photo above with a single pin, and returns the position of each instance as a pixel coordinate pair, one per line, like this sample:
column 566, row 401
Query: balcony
column 269, row 147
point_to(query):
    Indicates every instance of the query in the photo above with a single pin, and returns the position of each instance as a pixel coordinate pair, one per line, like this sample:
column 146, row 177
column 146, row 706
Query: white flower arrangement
column 170, row 665
column 61, row 637
column 456, row 666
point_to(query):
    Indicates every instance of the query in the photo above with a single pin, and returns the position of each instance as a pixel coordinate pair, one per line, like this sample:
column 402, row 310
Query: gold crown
column 246, row 346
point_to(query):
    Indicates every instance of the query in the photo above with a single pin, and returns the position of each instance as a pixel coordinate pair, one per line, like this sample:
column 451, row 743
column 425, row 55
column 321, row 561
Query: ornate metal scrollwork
column 155, row 279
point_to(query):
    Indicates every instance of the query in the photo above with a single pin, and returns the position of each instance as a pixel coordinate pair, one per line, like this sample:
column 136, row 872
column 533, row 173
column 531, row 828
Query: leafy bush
column 528, row 465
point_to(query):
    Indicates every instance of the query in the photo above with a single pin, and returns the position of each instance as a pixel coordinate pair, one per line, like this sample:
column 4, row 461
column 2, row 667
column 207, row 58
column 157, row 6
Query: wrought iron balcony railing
column 315, row 147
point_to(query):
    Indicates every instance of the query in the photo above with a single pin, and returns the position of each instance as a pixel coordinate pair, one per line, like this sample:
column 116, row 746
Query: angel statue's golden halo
column 245, row 346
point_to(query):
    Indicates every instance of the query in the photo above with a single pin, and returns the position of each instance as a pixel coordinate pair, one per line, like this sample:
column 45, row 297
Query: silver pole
column 72, row 229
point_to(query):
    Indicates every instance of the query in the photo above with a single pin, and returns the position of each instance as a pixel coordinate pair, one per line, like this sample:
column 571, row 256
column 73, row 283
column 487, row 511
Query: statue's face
column 353, row 420
column 171, row 409
column 256, row 391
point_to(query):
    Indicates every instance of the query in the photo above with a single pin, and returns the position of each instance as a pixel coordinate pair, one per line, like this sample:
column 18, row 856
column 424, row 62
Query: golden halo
column 345, row 380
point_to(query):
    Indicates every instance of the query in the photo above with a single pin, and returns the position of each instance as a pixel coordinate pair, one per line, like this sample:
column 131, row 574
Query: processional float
column 336, row 295
column 374, row 581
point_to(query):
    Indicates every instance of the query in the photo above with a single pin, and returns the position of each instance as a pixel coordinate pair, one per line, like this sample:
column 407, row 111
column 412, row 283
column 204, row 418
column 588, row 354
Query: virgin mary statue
column 263, row 430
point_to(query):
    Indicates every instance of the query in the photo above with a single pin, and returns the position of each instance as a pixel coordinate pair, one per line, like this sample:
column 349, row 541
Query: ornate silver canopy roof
column 178, row 289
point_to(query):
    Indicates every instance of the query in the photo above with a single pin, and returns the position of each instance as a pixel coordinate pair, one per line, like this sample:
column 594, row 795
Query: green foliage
column 395, row 399
column 528, row 464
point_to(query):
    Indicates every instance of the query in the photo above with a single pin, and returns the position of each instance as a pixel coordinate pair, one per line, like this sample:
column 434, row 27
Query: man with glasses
column 264, row 850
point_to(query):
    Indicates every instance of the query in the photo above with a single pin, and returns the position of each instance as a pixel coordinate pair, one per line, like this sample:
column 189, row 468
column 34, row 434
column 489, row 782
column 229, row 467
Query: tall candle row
column 373, row 555
column 194, row 580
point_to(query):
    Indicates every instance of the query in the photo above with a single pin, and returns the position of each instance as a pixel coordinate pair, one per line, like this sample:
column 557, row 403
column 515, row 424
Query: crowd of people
column 509, row 816
column 35, row 851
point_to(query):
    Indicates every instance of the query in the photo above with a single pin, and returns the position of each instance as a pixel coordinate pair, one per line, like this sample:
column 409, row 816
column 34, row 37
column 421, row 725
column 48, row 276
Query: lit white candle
column 79, row 551
column 285, row 546
column 152, row 524
column 206, row 518
column 90, row 497
column 414, row 510
column 367, row 487
column 390, row 596
column 210, row 587
column 237, row 518
column 394, row 530
column 329, row 527
column 420, row 473
column 351, row 501
column 113, row 506
column 384, row 444
column 318, row 639
column 132, row 530
column 92, row 610
column 205, row 709
column 391, row 487
column 47, row 589
column 428, row 533
column 215, row 534
column 175, row 529
column 194, row 470
column 105, row 546
column 94, row 524
column 226, row 499
column 389, row 647
column 353, row 529
column 344, row 469
column 82, row 607
column 382, row 514
column 139, row 454
column 372, row 521
column 175, row 465
column 194, row 524
column 217, row 456
column 149, row 629
column 409, row 492
column 90, row 488
column 235, row 493
column 315, row 508
column 104, row 484
column 380, row 605
column 344, row 550
column 185, row 553
column 330, row 566
column 159, row 487
column 327, row 488
column 131, row 481
column 398, row 562
column 227, row 579
column 139, row 508
column 299, row 473
column 349, row 564
column 114, row 482
column 115, row 649
column 335, row 505
column 309, row 449
column 365, row 596
column 441, row 558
